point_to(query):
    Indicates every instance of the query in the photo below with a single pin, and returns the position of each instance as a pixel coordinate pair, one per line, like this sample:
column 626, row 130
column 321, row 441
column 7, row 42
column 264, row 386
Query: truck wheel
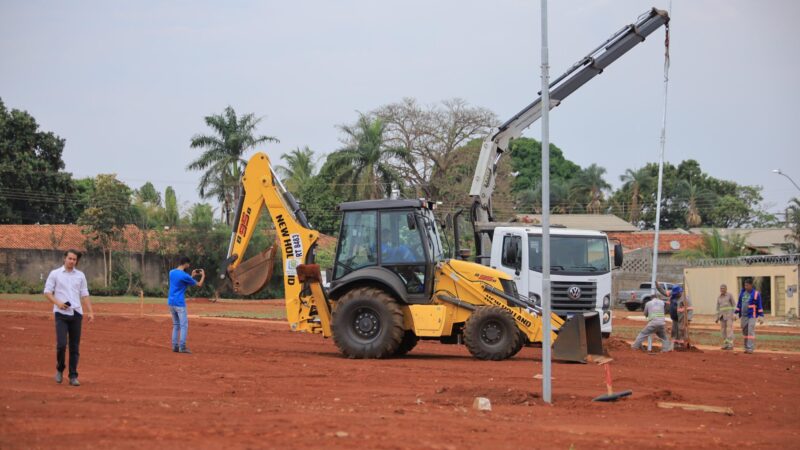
column 491, row 333
column 631, row 306
column 407, row 344
column 367, row 323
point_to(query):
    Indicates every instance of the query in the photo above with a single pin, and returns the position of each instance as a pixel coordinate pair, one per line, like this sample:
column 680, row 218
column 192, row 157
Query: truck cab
column 580, row 268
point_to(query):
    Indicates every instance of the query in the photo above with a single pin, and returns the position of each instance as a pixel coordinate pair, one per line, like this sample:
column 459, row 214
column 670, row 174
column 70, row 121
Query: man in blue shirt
column 179, row 281
column 750, row 309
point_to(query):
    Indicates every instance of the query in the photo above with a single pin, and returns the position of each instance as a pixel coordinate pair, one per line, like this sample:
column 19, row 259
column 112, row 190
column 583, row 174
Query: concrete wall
column 703, row 285
column 34, row 266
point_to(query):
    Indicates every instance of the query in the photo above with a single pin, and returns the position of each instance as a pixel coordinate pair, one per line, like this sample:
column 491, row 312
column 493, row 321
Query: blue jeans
column 180, row 325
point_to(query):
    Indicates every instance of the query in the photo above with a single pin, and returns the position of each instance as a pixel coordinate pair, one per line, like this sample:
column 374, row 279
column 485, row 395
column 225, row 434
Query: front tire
column 631, row 306
column 367, row 323
column 491, row 334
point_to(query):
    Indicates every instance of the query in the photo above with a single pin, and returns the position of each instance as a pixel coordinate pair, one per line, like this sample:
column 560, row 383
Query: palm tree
column 589, row 185
column 793, row 222
column 636, row 181
column 715, row 246
column 223, row 156
column 299, row 168
column 694, row 194
column 364, row 161
column 531, row 199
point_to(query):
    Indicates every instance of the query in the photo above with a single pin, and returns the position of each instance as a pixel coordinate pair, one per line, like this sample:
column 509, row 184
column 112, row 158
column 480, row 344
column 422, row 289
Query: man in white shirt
column 67, row 289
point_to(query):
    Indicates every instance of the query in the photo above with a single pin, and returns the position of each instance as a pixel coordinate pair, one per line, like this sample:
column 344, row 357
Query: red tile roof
column 667, row 242
column 63, row 237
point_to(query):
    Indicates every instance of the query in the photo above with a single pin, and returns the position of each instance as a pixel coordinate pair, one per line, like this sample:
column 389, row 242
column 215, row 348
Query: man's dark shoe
column 185, row 350
column 59, row 377
column 74, row 382
column 175, row 348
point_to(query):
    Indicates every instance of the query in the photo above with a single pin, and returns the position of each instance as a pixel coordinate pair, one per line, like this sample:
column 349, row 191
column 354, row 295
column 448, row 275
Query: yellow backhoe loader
column 391, row 282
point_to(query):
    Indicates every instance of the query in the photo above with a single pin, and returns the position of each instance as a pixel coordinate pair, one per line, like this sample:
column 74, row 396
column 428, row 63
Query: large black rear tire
column 367, row 323
column 522, row 341
column 491, row 333
column 407, row 344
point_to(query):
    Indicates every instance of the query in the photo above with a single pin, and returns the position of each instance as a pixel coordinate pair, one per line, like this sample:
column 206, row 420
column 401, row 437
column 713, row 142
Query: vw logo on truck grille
column 574, row 292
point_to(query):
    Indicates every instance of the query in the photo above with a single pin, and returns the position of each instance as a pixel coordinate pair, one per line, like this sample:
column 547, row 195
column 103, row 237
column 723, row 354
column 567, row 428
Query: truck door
column 512, row 259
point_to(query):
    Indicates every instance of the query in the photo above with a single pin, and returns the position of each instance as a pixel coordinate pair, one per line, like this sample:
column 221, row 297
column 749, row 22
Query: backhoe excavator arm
column 294, row 238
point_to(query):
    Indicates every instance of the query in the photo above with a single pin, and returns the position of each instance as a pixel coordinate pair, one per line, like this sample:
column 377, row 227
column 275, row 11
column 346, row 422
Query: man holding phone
column 67, row 289
column 179, row 281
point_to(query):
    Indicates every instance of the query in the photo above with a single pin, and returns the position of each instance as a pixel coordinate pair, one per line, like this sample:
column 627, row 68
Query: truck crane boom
column 483, row 183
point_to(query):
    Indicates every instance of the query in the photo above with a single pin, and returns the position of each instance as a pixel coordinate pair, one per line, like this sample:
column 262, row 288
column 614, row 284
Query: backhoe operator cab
column 391, row 242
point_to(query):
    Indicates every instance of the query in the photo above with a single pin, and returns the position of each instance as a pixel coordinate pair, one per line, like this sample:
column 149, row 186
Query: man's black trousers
column 68, row 329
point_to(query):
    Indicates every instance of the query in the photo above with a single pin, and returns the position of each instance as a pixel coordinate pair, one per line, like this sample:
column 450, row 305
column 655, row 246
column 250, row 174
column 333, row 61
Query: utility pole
column 546, row 344
column 661, row 161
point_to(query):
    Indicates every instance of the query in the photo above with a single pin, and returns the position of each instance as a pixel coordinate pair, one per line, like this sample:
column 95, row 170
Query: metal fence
column 758, row 260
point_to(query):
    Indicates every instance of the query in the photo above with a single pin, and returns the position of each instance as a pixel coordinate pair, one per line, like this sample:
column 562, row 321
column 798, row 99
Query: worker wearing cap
column 725, row 308
column 750, row 309
column 681, row 312
column 654, row 311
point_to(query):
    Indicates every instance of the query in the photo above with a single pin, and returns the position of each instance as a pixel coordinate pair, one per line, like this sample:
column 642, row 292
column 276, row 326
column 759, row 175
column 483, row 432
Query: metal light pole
column 661, row 162
column 546, row 350
column 778, row 171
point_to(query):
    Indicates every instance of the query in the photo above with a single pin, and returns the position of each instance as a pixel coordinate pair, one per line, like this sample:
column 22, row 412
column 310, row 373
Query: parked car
column 637, row 298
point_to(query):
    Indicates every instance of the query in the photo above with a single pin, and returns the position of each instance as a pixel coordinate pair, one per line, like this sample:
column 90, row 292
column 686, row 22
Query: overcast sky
column 127, row 84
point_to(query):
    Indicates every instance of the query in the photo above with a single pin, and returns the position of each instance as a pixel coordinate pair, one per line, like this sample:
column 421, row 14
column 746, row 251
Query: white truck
column 580, row 267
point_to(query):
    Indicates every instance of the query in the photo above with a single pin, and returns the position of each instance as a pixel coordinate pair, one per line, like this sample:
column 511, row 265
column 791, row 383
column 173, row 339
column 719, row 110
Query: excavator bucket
column 579, row 337
column 252, row 275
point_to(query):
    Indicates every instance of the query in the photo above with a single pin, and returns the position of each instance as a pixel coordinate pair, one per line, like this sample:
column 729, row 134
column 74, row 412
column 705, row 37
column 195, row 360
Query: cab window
column 357, row 246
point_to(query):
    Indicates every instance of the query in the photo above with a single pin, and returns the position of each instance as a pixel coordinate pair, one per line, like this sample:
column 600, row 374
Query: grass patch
column 247, row 314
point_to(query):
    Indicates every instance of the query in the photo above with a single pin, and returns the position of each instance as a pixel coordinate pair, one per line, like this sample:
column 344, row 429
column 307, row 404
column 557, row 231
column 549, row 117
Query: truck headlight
column 606, row 316
column 607, row 301
column 535, row 299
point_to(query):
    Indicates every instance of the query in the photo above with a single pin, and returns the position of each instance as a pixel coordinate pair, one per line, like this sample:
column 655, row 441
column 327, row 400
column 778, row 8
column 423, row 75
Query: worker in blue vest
column 750, row 309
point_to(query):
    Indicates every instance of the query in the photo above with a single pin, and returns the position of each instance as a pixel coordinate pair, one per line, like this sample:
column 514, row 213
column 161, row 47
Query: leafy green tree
column 526, row 161
column 298, row 170
column 222, row 159
column 148, row 194
column 363, row 164
column 33, row 188
column 171, row 215
column 319, row 202
column 104, row 220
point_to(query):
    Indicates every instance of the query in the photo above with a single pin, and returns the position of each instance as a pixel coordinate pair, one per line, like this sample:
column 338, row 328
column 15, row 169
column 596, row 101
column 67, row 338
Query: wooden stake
column 691, row 407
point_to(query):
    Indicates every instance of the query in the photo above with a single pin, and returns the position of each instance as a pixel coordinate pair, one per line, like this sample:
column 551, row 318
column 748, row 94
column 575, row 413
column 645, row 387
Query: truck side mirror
column 411, row 221
column 618, row 255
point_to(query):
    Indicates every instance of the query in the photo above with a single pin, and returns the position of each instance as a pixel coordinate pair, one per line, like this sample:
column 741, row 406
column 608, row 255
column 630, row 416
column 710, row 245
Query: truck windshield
column 571, row 254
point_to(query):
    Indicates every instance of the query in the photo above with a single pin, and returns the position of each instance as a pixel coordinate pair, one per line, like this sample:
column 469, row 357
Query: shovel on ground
column 610, row 396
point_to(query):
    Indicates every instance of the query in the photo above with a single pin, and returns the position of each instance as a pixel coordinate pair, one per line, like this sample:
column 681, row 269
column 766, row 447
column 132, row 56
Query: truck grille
column 561, row 301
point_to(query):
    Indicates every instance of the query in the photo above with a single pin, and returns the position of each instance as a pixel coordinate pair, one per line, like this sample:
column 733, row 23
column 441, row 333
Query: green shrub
column 14, row 285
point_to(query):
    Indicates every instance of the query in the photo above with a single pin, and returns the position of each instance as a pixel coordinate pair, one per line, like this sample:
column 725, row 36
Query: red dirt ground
column 255, row 384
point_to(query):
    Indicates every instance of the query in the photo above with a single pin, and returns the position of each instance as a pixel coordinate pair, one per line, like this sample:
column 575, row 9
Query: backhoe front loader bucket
column 252, row 275
column 579, row 337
